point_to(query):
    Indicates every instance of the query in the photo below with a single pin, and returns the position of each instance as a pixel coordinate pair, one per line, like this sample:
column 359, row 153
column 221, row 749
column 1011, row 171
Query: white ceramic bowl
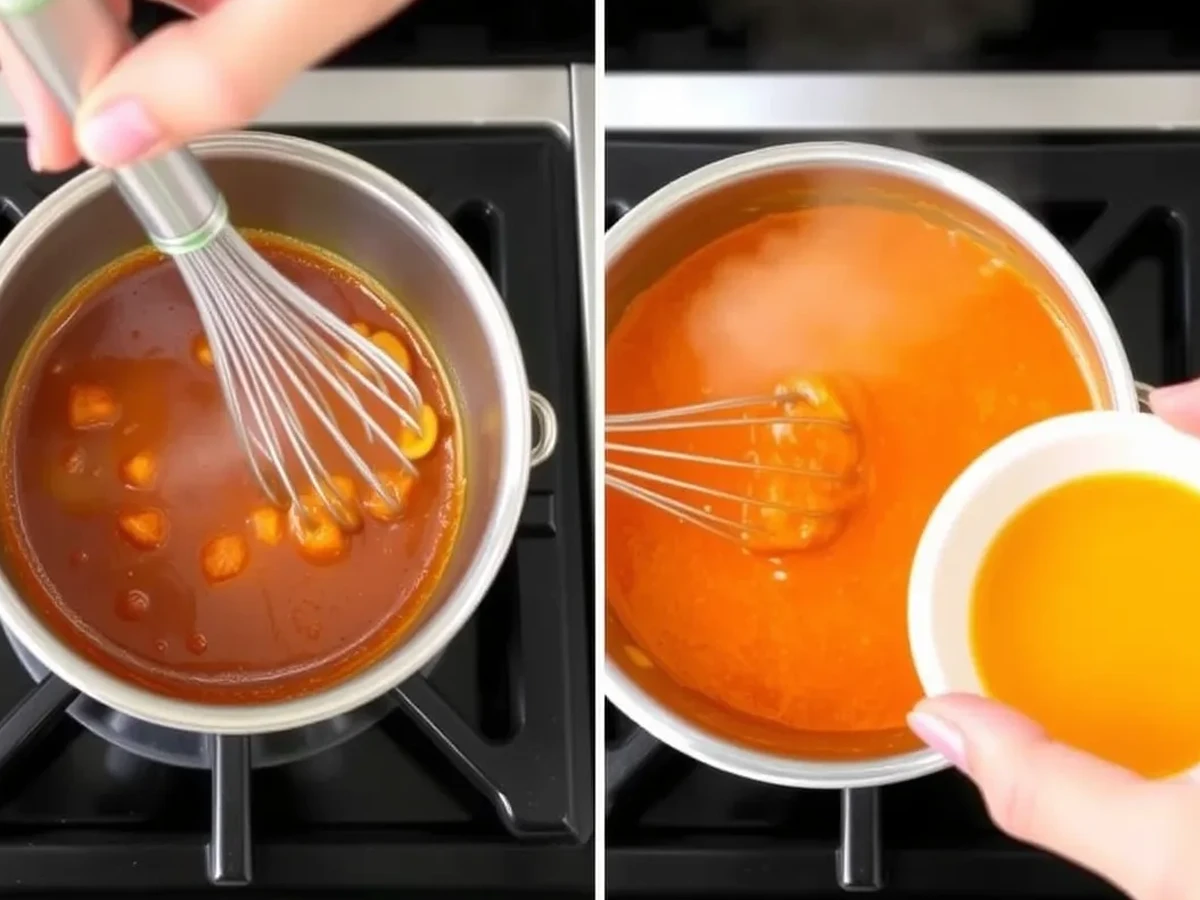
column 994, row 488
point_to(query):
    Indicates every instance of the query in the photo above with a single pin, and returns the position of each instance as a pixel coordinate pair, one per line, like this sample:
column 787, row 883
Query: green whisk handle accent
column 198, row 239
column 68, row 40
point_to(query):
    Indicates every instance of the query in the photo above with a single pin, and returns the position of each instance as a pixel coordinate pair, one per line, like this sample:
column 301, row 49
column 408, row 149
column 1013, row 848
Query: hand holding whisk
column 772, row 472
column 293, row 375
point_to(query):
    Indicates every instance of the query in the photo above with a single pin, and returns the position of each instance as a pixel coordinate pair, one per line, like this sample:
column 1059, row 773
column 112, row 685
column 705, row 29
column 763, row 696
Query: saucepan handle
column 545, row 429
column 859, row 863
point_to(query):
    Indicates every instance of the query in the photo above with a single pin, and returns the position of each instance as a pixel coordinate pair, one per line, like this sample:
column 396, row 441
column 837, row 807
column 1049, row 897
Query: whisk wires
column 787, row 496
column 283, row 362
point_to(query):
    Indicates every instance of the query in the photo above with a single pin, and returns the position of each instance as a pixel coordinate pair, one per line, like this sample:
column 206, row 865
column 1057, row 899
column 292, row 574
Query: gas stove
column 474, row 779
column 1103, row 157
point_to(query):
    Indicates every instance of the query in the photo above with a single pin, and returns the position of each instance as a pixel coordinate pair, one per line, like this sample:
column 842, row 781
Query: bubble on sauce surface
column 197, row 643
column 161, row 645
column 133, row 605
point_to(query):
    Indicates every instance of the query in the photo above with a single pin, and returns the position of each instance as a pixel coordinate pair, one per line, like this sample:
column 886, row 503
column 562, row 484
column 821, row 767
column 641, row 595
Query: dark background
column 458, row 33
column 888, row 35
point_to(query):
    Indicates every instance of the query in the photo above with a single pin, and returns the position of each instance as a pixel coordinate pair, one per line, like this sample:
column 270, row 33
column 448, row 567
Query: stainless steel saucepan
column 329, row 198
column 694, row 210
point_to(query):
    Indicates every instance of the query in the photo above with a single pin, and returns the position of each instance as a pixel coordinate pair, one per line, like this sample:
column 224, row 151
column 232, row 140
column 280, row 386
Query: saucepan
column 329, row 198
column 700, row 207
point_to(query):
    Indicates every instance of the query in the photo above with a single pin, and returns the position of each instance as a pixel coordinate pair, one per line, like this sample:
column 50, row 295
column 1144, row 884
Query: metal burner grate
column 1121, row 205
column 480, row 778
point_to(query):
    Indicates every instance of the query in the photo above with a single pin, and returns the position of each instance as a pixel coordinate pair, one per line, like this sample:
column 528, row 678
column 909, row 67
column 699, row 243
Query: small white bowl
column 993, row 489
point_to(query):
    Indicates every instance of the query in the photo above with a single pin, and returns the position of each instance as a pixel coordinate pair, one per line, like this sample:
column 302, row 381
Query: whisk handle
column 71, row 44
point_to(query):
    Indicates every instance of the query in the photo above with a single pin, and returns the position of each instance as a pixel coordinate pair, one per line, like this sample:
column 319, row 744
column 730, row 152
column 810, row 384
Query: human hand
column 211, row 73
column 1143, row 836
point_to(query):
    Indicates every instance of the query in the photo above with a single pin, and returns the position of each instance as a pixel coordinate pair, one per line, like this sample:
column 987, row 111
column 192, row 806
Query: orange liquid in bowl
column 1086, row 617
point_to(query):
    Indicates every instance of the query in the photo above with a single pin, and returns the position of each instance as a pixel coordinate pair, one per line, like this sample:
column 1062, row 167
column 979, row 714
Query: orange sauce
column 935, row 349
column 133, row 524
column 1085, row 617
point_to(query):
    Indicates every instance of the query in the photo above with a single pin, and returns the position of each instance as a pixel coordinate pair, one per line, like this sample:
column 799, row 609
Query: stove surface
column 1120, row 204
column 474, row 780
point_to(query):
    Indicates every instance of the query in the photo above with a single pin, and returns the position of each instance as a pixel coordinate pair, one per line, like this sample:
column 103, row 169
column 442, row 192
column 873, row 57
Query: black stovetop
column 867, row 35
column 477, row 779
column 458, row 33
column 1121, row 205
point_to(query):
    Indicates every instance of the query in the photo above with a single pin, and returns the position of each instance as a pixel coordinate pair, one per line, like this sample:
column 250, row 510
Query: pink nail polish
column 118, row 134
column 941, row 736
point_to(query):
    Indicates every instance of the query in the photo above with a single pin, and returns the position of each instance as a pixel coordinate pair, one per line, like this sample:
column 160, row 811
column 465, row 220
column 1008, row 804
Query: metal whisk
column 284, row 362
column 800, row 500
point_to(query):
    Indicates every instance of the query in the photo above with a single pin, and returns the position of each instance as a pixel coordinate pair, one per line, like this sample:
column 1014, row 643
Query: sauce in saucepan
column 938, row 350
column 135, row 528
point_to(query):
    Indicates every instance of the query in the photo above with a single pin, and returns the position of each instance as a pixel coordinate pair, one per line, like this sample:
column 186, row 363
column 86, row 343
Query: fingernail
column 31, row 150
column 941, row 736
column 117, row 134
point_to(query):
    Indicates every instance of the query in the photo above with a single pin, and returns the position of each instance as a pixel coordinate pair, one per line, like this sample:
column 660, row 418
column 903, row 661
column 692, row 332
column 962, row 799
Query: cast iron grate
column 675, row 827
column 482, row 777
